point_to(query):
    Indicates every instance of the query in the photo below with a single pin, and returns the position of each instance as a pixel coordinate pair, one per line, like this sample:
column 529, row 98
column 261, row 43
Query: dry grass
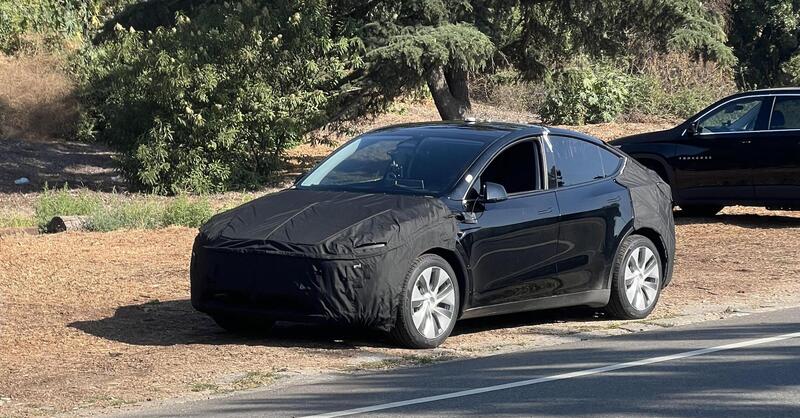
column 37, row 98
column 103, row 319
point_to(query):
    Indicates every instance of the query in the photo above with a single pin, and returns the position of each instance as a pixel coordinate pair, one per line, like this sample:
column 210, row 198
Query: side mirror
column 693, row 128
column 493, row 192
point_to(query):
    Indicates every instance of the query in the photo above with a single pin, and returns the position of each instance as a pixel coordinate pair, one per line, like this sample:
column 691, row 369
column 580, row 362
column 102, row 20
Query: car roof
column 777, row 90
column 494, row 130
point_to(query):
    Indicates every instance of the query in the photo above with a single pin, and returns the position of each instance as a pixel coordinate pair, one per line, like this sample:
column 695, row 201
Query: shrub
column 128, row 215
column 183, row 212
column 585, row 93
column 63, row 202
column 211, row 103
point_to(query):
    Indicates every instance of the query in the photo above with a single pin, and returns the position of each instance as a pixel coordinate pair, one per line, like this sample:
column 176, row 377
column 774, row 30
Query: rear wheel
column 700, row 210
column 429, row 304
column 636, row 285
column 243, row 325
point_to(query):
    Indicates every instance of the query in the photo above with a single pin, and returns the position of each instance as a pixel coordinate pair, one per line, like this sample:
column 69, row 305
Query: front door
column 715, row 164
column 511, row 248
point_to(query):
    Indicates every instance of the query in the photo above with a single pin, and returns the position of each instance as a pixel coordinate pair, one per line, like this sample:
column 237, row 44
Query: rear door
column 716, row 163
column 592, row 208
column 776, row 154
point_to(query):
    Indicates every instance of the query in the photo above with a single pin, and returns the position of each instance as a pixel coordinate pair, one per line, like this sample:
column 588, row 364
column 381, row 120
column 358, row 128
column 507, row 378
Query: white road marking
column 563, row 376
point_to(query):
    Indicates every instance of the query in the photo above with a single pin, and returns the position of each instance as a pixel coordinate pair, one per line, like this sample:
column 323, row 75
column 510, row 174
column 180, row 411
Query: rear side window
column 611, row 161
column 579, row 161
column 785, row 113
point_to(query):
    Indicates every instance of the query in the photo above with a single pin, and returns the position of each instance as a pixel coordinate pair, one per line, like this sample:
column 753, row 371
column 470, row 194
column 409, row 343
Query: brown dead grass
column 93, row 319
column 37, row 98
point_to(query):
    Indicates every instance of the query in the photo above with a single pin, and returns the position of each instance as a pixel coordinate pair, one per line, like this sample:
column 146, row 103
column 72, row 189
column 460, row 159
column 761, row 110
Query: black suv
column 742, row 150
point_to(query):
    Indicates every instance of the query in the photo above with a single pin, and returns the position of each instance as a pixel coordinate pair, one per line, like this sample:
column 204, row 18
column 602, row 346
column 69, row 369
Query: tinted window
column 611, row 161
column 737, row 116
column 515, row 168
column 396, row 163
column 786, row 113
column 576, row 161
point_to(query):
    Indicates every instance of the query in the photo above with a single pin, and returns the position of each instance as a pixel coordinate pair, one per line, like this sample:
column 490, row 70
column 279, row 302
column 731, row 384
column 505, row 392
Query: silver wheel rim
column 642, row 278
column 433, row 300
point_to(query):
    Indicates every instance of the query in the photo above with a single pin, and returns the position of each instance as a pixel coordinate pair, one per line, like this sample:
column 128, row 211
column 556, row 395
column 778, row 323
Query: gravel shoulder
column 97, row 320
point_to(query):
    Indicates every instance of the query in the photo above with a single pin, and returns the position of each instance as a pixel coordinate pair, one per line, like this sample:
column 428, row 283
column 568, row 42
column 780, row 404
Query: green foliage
column 127, row 215
column 765, row 36
column 585, row 94
column 211, row 103
column 56, row 23
column 791, row 69
column 63, row 202
column 16, row 220
column 119, row 212
column 184, row 212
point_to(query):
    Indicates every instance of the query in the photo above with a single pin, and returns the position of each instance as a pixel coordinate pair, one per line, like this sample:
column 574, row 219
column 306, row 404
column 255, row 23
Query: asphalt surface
column 747, row 366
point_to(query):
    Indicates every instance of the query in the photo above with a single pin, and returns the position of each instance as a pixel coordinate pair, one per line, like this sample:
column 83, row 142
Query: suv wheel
column 429, row 305
column 636, row 285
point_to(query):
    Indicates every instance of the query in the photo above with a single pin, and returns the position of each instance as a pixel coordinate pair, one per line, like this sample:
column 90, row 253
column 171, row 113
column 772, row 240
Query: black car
column 408, row 228
column 742, row 150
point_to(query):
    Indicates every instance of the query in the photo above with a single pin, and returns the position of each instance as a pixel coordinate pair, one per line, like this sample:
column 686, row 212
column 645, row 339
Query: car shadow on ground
column 754, row 221
column 176, row 322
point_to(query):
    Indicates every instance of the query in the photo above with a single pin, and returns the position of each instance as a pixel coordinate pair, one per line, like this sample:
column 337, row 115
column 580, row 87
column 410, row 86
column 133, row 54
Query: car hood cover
column 327, row 224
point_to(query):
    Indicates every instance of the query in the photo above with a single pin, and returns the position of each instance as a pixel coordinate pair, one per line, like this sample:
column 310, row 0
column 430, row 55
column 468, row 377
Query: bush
column 128, row 215
column 118, row 212
column 211, row 103
column 585, row 94
column 183, row 212
column 63, row 202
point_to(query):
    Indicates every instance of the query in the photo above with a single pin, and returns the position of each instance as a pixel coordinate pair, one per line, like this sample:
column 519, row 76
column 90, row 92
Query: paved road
column 741, row 367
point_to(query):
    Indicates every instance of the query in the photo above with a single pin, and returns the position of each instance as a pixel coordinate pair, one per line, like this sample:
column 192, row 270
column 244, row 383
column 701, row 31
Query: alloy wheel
column 433, row 302
column 642, row 278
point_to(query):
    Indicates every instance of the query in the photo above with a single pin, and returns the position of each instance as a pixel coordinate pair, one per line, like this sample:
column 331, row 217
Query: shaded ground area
column 55, row 162
column 103, row 319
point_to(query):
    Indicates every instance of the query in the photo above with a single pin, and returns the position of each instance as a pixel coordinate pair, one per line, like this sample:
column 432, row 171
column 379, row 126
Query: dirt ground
column 97, row 320
column 93, row 320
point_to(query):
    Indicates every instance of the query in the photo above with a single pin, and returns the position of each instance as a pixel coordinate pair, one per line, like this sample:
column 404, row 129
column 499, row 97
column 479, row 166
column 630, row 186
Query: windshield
column 393, row 162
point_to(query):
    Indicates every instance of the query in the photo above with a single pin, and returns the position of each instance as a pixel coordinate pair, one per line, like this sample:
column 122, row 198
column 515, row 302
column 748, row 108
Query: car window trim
column 773, row 95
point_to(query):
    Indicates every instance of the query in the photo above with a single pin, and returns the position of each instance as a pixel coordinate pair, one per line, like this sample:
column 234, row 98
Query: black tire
column 243, row 325
column 619, row 305
column 700, row 210
column 404, row 331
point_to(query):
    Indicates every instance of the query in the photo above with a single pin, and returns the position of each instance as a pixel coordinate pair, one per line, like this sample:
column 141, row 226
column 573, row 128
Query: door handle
column 545, row 211
column 746, row 141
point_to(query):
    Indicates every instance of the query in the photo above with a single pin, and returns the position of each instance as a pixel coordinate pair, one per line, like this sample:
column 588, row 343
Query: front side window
column 386, row 163
column 785, row 113
column 579, row 161
column 515, row 168
column 737, row 116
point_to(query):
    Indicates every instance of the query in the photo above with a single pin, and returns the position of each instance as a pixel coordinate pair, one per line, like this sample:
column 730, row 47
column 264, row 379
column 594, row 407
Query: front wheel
column 429, row 304
column 636, row 284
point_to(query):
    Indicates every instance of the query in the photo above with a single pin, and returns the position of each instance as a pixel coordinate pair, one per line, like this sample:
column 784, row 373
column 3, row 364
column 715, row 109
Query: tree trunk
column 450, row 91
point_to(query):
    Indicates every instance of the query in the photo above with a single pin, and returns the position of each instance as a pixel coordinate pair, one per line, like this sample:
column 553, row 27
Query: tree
column 408, row 44
column 211, row 102
column 765, row 36
column 439, row 43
